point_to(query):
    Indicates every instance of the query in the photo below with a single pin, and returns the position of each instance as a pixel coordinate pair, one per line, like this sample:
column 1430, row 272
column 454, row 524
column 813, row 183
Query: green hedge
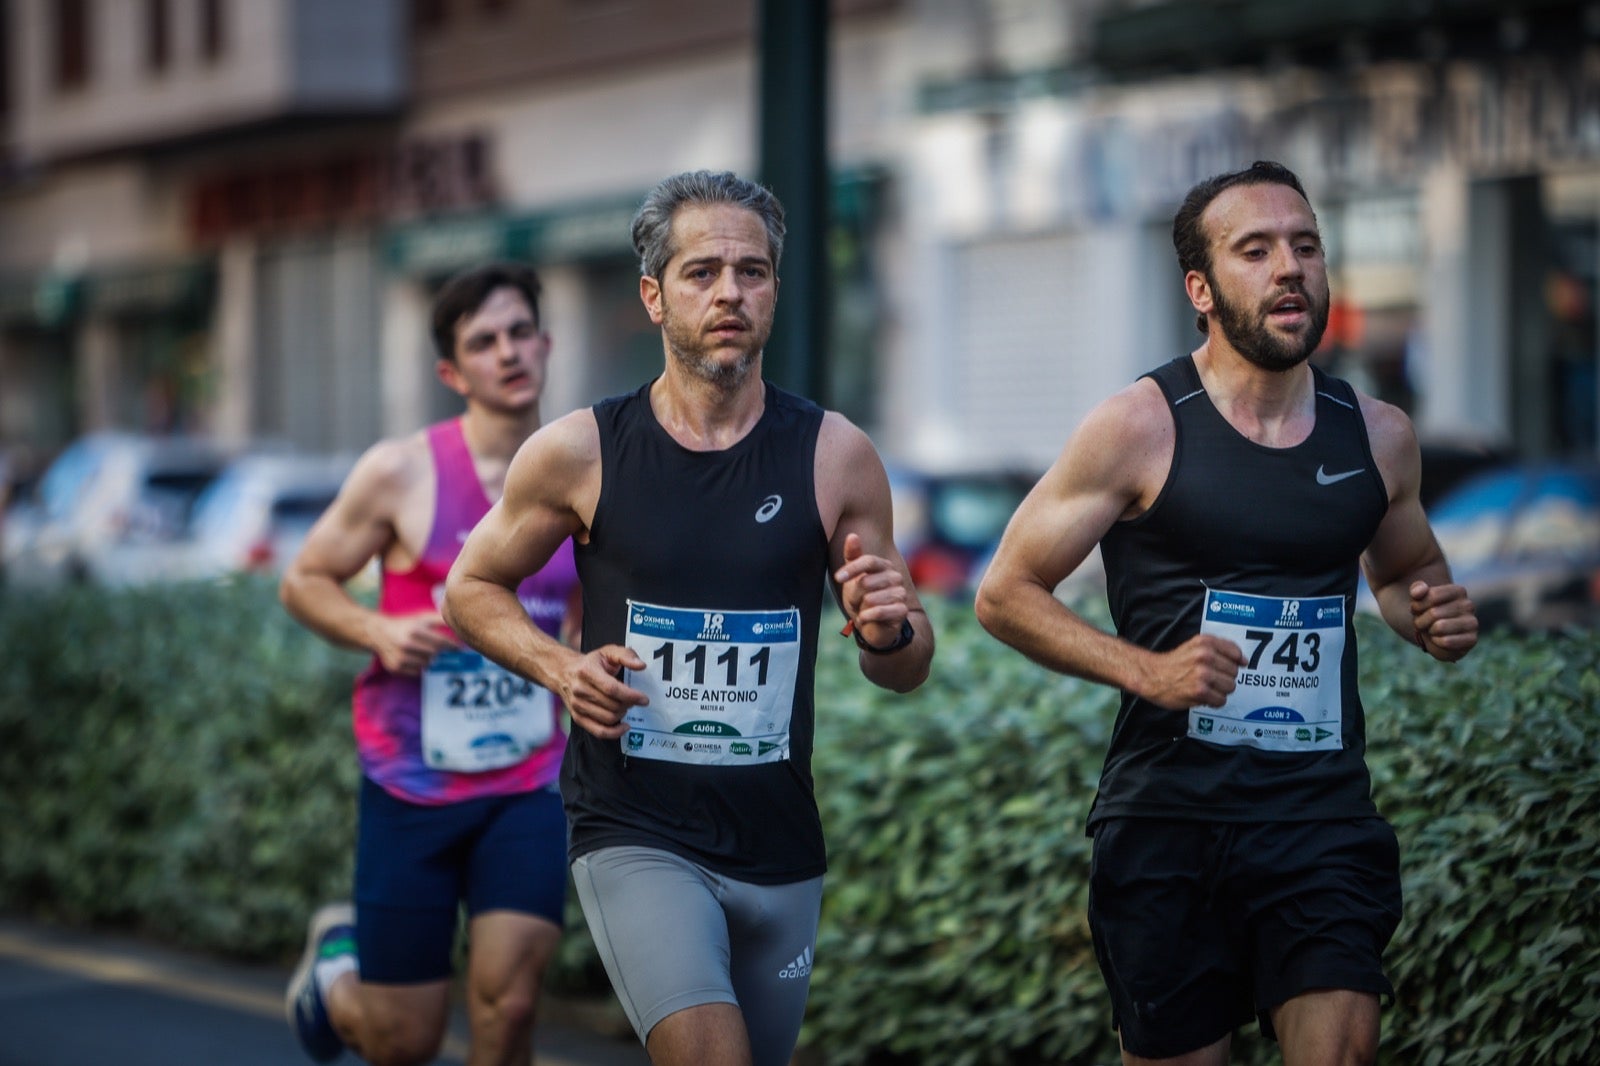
column 179, row 763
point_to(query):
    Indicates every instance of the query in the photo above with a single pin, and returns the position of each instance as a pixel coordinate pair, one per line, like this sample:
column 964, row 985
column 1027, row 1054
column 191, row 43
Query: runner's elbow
column 989, row 605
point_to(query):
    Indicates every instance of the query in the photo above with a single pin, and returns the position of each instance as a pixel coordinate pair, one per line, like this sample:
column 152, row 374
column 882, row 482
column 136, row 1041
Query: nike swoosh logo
column 1325, row 478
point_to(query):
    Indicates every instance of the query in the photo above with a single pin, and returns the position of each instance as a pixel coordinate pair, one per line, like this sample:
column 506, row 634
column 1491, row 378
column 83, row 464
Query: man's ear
column 1198, row 288
column 447, row 371
column 650, row 295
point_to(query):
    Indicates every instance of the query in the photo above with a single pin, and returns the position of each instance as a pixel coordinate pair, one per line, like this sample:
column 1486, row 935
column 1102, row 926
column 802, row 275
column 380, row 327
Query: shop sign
column 421, row 176
column 578, row 231
column 1519, row 115
column 151, row 289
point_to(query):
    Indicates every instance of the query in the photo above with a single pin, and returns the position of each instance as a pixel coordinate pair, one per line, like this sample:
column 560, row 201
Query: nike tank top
column 1260, row 546
column 388, row 707
column 711, row 566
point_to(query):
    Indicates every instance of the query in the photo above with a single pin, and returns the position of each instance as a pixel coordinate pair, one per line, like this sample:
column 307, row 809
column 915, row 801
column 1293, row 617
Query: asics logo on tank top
column 768, row 509
column 800, row 967
column 1325, row 478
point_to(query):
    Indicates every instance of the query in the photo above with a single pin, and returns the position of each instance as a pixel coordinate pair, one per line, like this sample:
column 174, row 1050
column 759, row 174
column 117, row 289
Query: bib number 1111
column 695, row 658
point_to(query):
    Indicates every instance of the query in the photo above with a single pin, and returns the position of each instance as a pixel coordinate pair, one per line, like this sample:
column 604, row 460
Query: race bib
column 1289, row 694
column 721, row 684
column 478, row 716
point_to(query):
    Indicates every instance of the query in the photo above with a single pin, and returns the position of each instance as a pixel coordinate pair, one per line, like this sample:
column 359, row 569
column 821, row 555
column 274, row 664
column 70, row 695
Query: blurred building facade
column 229, row 215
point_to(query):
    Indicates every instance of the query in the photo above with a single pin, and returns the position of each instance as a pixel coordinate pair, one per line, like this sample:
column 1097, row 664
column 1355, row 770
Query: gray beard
column 725, row 376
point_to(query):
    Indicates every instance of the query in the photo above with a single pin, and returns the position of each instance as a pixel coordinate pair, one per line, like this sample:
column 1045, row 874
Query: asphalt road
column 69, row 999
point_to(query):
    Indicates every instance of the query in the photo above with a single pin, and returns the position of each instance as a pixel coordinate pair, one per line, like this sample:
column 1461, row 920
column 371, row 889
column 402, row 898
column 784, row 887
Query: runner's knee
column 402, row 1037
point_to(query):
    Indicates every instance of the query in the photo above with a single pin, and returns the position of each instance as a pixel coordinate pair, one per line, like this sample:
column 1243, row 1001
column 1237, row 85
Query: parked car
column 1448, row 461
column 105, row 499
column 256, row 514
column 1525, row 542
column 944, row 523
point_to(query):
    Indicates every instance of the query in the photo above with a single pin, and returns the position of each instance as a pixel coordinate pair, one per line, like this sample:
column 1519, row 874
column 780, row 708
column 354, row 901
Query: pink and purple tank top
column 388, row 706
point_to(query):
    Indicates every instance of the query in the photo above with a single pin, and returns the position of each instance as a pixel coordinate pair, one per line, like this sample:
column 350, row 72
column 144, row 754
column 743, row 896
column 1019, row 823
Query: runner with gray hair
column 652, row 225
column 710, row 510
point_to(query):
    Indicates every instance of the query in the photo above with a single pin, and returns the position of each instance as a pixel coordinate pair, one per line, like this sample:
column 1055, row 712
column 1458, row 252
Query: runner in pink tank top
column 390, row 708
column 458, row 808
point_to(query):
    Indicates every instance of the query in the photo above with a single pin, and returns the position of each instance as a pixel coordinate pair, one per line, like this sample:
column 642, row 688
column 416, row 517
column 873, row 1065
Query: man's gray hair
column 652, row 225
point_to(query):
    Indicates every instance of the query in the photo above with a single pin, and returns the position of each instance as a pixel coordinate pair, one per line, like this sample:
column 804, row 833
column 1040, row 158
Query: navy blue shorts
column 1200, row 926
column 417, row 865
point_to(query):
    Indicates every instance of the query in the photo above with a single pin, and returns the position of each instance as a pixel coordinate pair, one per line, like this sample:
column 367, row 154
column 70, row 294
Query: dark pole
column 793, row 55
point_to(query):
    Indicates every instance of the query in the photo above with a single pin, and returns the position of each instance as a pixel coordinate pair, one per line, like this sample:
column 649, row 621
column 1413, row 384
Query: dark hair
column 652, row 225
column 463, row 294
column 1190, row 239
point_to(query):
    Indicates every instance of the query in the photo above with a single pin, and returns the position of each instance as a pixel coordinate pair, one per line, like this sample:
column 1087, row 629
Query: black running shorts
column 1198, row 926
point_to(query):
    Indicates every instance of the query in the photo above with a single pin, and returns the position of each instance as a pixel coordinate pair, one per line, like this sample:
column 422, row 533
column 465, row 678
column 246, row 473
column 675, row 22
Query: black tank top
column 718, row 532
column 1238, row 520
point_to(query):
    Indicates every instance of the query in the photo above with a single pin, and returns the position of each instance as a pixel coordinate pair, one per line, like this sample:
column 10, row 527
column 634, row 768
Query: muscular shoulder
column 846, row 457
column 1388, row 427
column 390, row 474
column 571, row 441
column 841, row 440
column 849, row 473
column 1394, row 443
column 1136, row 414
column 559, row 466
column 1124, row 444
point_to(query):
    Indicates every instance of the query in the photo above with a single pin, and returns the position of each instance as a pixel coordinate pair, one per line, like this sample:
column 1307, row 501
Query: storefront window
column 1374, row 272
column 1570, row 293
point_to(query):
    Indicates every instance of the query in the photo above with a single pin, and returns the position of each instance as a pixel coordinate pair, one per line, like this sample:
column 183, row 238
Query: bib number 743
column 1297, row 651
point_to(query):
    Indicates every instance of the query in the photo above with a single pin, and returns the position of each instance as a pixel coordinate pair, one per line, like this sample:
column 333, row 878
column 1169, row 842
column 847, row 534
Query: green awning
column 444, row 245
column 180, row 288
column 589, row 230
column 1205, row 34
column 46, row 301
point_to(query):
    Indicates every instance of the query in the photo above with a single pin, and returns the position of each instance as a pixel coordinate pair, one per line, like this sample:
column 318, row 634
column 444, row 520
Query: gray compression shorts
column 673, row 934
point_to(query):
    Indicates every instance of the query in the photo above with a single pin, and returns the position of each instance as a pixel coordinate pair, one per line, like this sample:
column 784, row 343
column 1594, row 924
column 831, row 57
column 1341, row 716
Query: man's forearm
column 325, row 607
column 1031, row 620
column 489, row 618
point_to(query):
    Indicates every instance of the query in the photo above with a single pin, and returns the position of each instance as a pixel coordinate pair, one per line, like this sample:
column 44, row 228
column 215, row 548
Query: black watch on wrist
column 907, row 635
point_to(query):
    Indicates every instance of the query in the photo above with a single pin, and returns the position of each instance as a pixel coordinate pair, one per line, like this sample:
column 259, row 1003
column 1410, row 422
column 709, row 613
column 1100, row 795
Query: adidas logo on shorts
column 800, row 967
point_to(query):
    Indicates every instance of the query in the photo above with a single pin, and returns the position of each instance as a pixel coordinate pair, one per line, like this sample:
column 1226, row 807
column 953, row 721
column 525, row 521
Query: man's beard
column 1248, row 332
column 690, row 351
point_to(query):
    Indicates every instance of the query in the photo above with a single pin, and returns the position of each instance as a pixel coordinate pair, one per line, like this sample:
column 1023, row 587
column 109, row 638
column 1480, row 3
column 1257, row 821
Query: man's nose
column 727, row 288
column 1286, row 264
